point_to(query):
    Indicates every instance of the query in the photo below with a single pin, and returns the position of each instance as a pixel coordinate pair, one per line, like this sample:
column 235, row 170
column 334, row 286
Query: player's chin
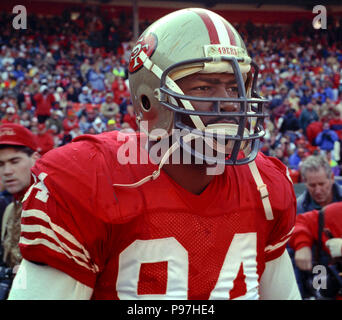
column 13, row 189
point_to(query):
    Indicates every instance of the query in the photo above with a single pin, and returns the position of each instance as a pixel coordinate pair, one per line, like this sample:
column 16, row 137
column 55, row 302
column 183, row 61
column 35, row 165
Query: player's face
column 319, row 186
column 15, row 168
column 221, row 85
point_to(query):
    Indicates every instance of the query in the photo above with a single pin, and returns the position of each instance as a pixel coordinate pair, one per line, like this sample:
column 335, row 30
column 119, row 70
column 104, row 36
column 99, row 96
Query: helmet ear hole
column 145, row 103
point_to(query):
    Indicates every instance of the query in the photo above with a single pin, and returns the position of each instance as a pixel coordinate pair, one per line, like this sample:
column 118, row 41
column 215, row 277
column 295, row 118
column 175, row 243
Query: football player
column 121, row 216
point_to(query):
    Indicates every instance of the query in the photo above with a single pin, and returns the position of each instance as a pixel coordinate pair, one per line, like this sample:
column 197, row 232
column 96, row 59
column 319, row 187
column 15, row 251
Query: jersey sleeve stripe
column 51, row 234
column 271, row 248
column 65, row 234
column 288, row 234
column 52, row 231
column 52, row 246
column 282, row 241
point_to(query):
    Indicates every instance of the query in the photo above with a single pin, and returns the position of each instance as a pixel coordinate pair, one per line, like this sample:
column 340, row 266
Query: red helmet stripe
column 230, row 33
column 213, row 35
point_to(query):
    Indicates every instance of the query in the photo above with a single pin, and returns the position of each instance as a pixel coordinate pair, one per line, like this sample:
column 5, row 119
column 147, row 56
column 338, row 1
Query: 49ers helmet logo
column 148, row 44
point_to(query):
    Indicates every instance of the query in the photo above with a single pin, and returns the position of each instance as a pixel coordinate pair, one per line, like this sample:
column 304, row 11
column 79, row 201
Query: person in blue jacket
column 325, row 140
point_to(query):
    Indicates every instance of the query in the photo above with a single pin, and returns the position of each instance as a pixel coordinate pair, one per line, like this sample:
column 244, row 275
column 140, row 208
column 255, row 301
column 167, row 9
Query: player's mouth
column 227, row 120
column 10, row 182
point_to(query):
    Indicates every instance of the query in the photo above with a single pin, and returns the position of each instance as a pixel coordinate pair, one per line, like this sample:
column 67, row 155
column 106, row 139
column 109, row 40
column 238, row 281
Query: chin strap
column 155, row 174
column 262, row 187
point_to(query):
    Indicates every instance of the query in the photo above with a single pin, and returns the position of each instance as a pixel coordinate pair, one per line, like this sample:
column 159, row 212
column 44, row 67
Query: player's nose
column 226, row 106
column 7, row 169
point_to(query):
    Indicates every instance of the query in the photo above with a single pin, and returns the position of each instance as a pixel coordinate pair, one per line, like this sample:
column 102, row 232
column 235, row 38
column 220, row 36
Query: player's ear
column 248, row 82
column 35, row 156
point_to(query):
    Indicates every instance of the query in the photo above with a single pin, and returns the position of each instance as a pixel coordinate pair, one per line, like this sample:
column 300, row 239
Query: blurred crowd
column 61, row 79
column 300, row 73
column 67, row 75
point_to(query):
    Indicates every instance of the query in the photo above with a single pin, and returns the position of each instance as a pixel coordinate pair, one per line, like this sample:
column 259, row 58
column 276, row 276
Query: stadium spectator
column 44, row 102
column 5, row 199
column 25, row 119
column 111, row 125
column 294, row 100
column 297, row 157
column 326, row 139
column 321, row 189
column 44, row 138
column 307, row 116
column 56, row 121
column 72, row 95
column 85, row 95
column 119, row 70
column 61, row 98
column 312, row 130
column 25, row 99
column 305, row 236
column 17, row 155
column 336, row 125
column 113, row 40
column 333, row 164
column 84, row 69
column 10, row 116
column 76, row 131
column 83, row 123
column 306, row 97
column 120, row 91
column 96, row 78
column 91, row 114
column 109, row 108
column 99, row 126
column 336, row 122
column 70, row 121
column 289, row 122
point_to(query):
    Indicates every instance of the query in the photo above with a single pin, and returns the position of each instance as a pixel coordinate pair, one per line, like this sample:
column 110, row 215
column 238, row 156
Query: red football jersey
column 155, row 241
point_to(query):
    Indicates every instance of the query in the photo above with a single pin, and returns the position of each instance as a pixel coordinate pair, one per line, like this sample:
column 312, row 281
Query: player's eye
column 201, row 88
column 232, row 89
column 15, row 160
column 232, row 92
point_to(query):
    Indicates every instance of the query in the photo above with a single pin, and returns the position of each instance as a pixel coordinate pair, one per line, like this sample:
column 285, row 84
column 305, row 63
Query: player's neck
column 193, row 178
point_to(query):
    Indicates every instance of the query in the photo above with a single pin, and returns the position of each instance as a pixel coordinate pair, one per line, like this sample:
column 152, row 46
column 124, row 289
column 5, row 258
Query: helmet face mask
column 239, row 131
column 159, row 100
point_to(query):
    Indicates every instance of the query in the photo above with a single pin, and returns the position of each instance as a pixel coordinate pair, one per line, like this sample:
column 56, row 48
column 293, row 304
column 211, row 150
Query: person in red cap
column 11, row 116
column 70, row 121
column 18, row 153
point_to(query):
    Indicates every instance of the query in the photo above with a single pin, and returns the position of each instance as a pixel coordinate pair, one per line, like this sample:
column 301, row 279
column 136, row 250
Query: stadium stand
column 73, row 68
